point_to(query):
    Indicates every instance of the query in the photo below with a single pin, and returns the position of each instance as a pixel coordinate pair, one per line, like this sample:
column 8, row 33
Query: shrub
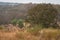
column 20, row 23
column 14, row 21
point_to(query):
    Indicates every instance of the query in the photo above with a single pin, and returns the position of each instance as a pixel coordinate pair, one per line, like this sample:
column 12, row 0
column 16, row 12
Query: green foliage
column 20, row 23
column 44, row 14
column 14, row 21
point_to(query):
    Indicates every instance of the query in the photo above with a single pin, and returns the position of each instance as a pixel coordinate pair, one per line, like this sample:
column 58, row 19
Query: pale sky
column 33, row 1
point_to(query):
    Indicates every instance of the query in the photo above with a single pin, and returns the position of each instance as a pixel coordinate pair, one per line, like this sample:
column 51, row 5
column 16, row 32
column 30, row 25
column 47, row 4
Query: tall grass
column 33, row 33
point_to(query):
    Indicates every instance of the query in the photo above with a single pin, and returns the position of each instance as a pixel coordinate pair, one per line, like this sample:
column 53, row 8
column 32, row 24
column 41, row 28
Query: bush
column 14, row 21
column 20, row 23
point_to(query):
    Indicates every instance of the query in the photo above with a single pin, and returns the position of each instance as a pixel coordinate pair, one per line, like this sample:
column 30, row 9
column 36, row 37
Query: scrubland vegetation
column 15, row 33
column 39, row 24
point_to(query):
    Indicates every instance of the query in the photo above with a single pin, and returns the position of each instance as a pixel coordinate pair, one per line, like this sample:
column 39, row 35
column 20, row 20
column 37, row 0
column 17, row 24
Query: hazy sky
column 33, row 1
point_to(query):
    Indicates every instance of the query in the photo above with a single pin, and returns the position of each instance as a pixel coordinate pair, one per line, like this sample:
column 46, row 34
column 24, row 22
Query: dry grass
column 22, row 34
column 50, row 34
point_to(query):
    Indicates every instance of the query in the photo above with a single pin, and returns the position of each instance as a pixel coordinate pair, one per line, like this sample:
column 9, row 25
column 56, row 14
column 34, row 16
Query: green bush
column 20, row 23
column 14, row 21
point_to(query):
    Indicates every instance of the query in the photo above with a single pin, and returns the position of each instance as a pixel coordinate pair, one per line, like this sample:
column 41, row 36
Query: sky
column 33, row 1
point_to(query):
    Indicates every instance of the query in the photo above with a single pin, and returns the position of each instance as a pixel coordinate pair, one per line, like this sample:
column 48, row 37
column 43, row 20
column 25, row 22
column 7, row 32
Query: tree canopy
column 44, row 14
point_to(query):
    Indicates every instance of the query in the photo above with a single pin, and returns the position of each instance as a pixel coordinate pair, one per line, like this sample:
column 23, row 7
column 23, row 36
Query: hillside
column 9, row 12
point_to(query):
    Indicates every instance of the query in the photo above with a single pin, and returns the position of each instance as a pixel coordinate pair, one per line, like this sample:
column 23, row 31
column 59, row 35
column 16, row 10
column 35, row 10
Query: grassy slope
column 14, row 33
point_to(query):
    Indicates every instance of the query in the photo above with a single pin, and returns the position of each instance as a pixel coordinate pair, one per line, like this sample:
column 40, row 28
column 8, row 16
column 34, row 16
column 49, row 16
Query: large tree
column 44, row 14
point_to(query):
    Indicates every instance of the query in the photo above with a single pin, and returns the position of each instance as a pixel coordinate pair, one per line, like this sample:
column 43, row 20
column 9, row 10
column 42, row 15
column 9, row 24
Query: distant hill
column 7, row 3
column 9, row 11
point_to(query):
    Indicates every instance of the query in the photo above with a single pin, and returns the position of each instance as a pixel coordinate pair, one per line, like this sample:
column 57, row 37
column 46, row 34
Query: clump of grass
column 50, row 34
column 1, row 27
column 20, row 36
column 35, row 30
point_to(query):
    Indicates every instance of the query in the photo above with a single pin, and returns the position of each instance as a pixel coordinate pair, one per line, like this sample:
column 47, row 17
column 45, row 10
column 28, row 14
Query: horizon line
column 31, row 2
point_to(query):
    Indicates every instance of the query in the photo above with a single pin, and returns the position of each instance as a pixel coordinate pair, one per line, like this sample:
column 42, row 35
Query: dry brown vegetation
column 15, row 33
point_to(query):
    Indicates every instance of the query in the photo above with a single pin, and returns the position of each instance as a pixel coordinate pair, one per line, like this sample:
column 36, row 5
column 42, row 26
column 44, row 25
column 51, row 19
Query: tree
column 44, row 14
